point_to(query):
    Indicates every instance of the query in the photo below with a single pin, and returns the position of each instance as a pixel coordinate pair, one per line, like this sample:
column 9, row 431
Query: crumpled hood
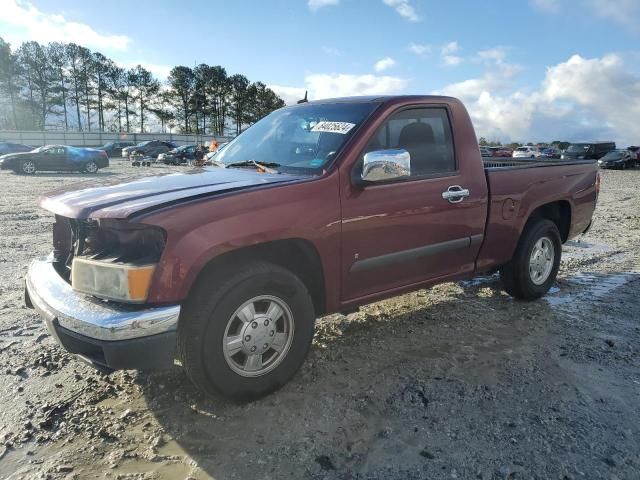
column 122, row 199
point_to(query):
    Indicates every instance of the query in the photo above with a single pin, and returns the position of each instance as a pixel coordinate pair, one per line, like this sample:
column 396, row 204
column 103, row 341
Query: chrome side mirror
column 386, row 165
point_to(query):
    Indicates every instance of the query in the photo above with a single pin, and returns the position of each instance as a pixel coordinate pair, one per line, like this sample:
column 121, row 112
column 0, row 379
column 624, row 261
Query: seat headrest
column 416, row 133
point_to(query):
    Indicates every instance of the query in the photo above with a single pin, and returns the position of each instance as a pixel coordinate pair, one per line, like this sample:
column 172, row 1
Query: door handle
column 455, row 194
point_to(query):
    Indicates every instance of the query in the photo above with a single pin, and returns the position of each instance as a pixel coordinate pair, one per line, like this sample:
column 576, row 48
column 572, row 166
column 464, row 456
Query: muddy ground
column 459, row 381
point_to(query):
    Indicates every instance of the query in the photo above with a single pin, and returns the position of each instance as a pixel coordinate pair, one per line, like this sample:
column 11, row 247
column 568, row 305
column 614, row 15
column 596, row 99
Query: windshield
column 613, row 155
column 301, row 137
column 578, row 147
column 522, row 149
column 142, row 144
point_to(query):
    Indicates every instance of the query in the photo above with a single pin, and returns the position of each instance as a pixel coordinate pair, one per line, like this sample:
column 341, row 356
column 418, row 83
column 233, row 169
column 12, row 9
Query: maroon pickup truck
column 318, row 208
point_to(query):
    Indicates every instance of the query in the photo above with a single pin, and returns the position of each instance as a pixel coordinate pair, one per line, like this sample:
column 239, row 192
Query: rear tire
column 215, row 314
column 530, row 273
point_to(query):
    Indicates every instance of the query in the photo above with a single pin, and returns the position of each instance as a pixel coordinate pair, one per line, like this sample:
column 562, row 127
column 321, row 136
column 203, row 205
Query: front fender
column 199, row 232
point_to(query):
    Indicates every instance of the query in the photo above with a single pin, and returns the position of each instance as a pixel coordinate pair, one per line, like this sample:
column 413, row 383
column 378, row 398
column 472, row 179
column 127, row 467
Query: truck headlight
column 113, row 281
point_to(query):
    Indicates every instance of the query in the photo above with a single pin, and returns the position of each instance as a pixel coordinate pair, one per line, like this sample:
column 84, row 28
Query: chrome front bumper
column 90, row 317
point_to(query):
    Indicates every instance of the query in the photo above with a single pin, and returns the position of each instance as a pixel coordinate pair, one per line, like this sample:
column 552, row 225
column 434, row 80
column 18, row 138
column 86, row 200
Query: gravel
column 459, row 381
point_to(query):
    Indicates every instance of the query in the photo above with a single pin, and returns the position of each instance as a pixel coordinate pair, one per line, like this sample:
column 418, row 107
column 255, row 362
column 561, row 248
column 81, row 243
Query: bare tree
column 145, row 87
column 41, row 81
column 74, row 60
column 239, row 86
column 181, row 82
column 58, row 59
column 9, row 81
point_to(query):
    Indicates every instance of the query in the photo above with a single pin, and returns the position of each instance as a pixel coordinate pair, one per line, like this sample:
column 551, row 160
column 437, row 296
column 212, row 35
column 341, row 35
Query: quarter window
column 425, row 133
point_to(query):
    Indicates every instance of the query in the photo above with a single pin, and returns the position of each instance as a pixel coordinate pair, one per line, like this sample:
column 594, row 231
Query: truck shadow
column 386, row 369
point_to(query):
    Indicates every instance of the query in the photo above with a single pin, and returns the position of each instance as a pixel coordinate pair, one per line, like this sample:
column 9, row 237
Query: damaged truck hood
column 124, row 198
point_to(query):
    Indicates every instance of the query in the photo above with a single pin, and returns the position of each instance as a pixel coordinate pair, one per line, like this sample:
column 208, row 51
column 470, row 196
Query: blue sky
column 527, row 69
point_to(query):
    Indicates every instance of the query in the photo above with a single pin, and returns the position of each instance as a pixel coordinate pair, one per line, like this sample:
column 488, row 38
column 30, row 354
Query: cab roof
column 381, row 99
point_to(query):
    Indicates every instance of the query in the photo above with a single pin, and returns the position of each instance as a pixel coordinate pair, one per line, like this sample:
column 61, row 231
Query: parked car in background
column 148, row 146
column 114, row 149
column 503, row 152
column 485, row 152
column 322, row 207
column 617, row 159
column 151, row 148
column 550, row 152
column 126, row 151
column 528, row 151
column 635, row 154
column 178, row 156
column 9, row 147
column 588, row 150
column 55, row 158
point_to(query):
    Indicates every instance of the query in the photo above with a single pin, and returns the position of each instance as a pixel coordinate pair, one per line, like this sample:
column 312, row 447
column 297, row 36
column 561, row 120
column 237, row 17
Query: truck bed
column 517, row 187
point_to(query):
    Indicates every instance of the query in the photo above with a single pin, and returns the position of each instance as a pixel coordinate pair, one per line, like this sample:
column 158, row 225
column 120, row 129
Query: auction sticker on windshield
column 333, row 127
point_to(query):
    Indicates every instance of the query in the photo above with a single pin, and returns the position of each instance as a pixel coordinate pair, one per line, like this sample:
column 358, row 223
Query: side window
column 425, row 133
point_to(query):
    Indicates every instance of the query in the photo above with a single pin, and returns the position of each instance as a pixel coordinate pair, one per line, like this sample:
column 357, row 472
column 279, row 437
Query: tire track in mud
column 586, row 288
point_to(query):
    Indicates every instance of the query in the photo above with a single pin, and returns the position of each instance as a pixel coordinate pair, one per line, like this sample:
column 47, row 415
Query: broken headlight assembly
column 115, row 260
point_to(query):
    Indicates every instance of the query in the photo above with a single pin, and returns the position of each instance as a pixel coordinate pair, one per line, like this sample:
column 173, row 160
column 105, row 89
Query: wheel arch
column 559, row 212
column 297, row 255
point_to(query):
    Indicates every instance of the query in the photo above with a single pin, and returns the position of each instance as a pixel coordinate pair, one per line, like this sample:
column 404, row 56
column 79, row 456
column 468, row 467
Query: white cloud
column 452, row 60
column 317, row 4
column 290, row 95
column 603, row 86
column 624, row 12
column 343, row 85
column 34, row 24
column 448, row 54
column 331, row 51
column 324, row 85
column 551, row 6
column 496, row 54
column 449, row 48
column 404, row 8
column 384, row 64
column 419, row 49
column 580, row 99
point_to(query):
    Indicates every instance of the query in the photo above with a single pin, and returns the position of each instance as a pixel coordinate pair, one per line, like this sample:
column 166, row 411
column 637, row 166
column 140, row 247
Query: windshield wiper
column 265, row 166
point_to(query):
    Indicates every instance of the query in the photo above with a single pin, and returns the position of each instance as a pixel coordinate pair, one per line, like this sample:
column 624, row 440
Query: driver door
column 53, row 159
column 405, row 232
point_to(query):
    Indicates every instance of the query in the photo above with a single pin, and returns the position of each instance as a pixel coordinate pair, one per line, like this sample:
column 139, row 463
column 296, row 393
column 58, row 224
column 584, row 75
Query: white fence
column 37, row 138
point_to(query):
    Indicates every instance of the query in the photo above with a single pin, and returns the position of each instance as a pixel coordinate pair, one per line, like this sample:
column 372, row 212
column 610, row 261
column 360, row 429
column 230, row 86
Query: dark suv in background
column 114, row 149
column 152, row 148
column 588, row 150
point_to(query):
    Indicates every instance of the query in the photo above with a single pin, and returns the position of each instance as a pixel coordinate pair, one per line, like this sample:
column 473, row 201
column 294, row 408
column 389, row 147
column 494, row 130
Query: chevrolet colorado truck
column 319, row 207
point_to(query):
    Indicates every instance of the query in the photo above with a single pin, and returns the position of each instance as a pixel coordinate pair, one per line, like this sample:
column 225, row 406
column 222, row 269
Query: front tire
column 27, row 167
column 90, row 167
column 535, row 264
column 248, row 335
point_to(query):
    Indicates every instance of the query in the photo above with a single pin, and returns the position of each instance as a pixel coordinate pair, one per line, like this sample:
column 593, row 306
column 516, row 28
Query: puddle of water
column 481, row 280
column 588, row 286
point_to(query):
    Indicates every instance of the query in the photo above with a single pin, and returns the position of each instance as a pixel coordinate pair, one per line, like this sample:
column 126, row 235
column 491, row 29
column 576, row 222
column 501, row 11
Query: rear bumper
column 106, row 334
